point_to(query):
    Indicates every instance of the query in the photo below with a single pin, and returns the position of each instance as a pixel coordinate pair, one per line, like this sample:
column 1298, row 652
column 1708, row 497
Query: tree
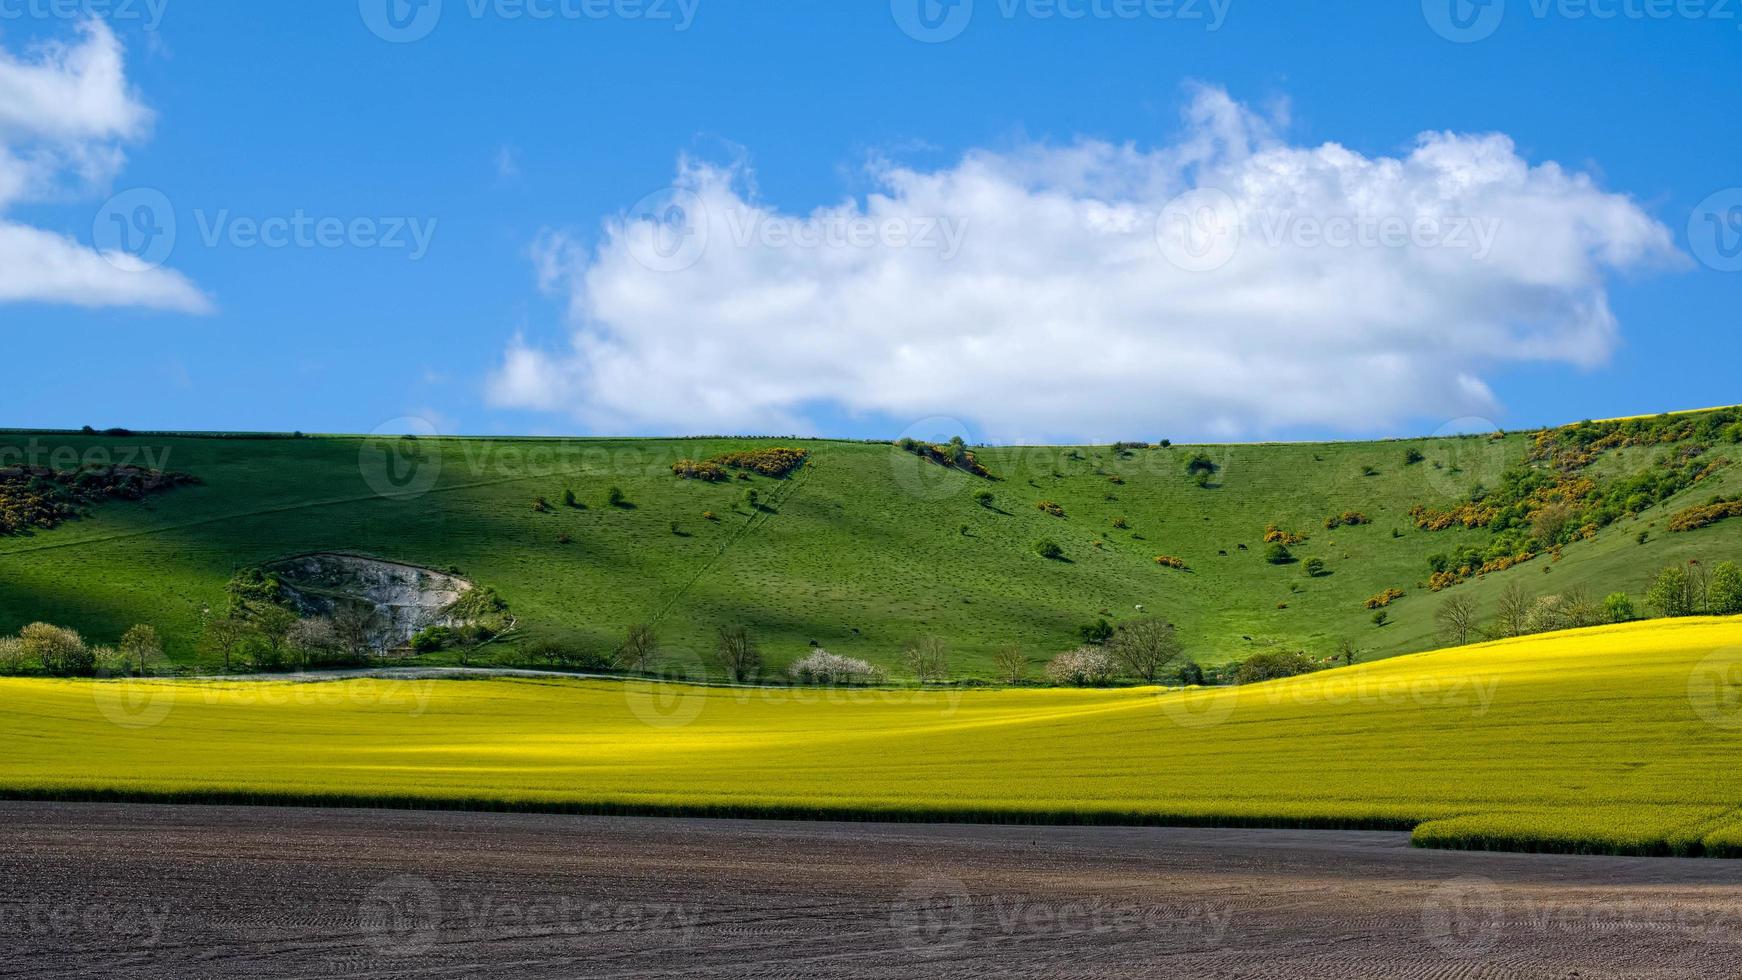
column 1618, row 608
column 141, row 646
column 223, row 635
column 1457, row 619
column 929, row 659
column 569, row 498
column 1049, row 550
column 615, row 497
column 312, row 638
column 1347, row 651
column 62, row 652
column 984, row 498
column 738, row 653
column 1011, row 665
column 1096, row 633
column 354, row 627
column 1412, row 457
column 1513, row 615
column 1315, row 567
column 272, row 624
column 1725, row 595
column 639, row 648
column 1278, row 554
column 1672, row 593
column 1144, row 647
column 752, row 499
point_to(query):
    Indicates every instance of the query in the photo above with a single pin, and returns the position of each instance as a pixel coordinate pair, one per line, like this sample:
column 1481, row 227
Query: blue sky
column 514, row 140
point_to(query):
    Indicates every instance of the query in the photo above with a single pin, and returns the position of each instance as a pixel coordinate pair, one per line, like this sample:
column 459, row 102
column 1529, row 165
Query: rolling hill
column 865, row 546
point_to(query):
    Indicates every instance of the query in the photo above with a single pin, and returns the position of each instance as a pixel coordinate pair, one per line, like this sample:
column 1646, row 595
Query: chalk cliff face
column 405, row 598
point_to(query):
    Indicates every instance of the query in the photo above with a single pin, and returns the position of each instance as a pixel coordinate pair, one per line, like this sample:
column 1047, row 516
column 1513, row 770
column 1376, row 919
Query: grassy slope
column 862, row 551
column 1617, row 739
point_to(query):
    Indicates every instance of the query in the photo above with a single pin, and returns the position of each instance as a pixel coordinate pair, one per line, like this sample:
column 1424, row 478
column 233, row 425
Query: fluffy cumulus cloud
column 1229, row 283
column 66, row 114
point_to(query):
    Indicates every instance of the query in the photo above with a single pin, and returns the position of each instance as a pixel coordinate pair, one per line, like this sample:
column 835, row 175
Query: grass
column 1614, row 740
column 860, row 552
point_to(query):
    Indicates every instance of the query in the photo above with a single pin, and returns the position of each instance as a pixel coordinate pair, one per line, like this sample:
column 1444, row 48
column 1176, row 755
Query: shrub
column 1381, row 617
column 1702, row 515
column 1412, row 457
column 1385, row 598
column 569, row 498
column 1278, row 554
column 540, row 505
column 1049, row 550
column 1121, row 524
column 1082, row 667
column 1276, row 535
column 1618, row 608
column 13, row 659
column 1315, row 567
column 61, row 652
column 1190, row 674
column 1201, row 465
column 775, row 461
column 1349, row 518
column 564, row 538
column 1050, row 507
column 983, row 498
column 615, row 497
column 1169, row 561
column 823, row 667
column 689, row 469
column 708, row 515
column 1274, row 665
column 1369, row 471
column 1096, row 633
column 752, row 499
column 432, row 639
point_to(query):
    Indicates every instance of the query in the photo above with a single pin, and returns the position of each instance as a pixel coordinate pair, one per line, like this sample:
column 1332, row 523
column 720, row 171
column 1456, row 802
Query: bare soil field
column 193, row 892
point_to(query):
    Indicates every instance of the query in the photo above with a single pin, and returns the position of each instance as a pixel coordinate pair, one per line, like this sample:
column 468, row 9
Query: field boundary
column 892, row 815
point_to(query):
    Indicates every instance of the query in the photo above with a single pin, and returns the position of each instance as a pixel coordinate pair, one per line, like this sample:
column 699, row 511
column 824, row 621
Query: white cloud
column 66, row 111
column 1359, row 291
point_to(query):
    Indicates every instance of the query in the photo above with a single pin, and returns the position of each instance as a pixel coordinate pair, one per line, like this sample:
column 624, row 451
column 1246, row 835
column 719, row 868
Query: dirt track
column 206, row 892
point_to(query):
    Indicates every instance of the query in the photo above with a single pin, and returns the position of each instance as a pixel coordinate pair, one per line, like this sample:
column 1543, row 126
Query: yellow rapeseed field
column 1618, row 739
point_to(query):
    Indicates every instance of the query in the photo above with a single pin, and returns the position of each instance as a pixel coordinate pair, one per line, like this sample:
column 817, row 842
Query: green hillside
column 861, row 549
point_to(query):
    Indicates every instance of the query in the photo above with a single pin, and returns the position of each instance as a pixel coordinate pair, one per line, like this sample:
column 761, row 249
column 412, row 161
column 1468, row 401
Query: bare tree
column 1144, row 647
column 1513, row 618
column 738, row 653
column 1011, row 664
column 639, row 648
column 140, row 646
column 354, row 627
column 1457, row 619
column 223, row 636
column 929, row 659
